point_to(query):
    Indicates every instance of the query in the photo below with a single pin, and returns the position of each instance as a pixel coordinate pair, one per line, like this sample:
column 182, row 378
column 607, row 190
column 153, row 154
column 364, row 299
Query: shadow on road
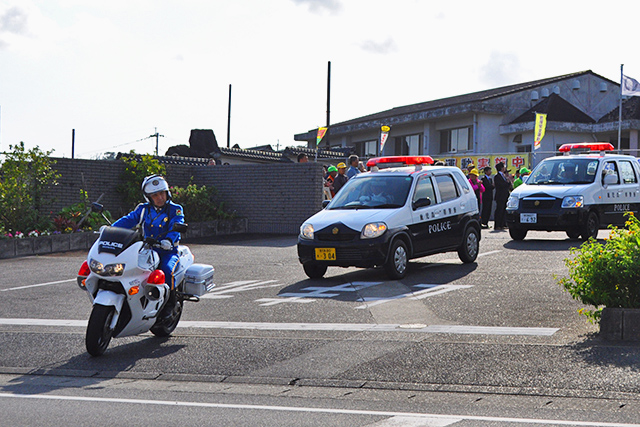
column 598, row 352
column 543, row 245
column 372, row 284
column 117, row 359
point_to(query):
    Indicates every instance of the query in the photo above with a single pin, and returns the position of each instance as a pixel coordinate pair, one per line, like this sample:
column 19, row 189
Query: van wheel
column 314, row 271
column 396, row 265
column 517, row 233
column 591, row 226
column 470, row 247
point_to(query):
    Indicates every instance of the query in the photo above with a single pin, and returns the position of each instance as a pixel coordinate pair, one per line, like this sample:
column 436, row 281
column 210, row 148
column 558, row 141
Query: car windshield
column 373, row 191
column 564, row 171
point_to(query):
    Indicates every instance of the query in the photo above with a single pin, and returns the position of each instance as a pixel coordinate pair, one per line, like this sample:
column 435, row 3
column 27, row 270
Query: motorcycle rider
column 157, row 217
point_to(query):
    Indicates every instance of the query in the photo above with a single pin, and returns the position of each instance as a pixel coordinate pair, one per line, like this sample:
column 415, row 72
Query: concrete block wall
column 274, row 198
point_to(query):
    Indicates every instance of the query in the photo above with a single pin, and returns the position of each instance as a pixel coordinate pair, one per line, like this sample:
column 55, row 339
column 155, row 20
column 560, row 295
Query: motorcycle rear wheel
column 99, row 330
column 165, row 325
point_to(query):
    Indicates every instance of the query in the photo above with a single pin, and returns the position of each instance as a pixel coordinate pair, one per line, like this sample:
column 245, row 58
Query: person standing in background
column 487, row 198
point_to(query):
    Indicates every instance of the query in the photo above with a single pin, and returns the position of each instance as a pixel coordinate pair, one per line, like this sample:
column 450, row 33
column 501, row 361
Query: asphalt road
column 497, row 342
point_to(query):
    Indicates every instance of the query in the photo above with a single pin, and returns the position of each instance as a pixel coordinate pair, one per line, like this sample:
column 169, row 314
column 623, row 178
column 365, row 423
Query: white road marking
column 39, row 284
column 240, row 286
column 345, row 327
column 415, row 421
column 429, row 292
column 447, row 418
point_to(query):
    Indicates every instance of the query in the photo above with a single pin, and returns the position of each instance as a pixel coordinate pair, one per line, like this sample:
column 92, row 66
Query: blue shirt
column 352, row 171
column 156, row 223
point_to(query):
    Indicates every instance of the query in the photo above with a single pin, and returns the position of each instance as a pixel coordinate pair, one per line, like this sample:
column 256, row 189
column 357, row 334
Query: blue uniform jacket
column 156, row 224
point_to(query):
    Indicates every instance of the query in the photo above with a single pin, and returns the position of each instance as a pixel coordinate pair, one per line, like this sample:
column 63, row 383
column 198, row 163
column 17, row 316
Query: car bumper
column 354, row 253
column 554, row 219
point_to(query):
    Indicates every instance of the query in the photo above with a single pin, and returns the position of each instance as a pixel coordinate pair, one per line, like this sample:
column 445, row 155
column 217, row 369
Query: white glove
column 166, row 245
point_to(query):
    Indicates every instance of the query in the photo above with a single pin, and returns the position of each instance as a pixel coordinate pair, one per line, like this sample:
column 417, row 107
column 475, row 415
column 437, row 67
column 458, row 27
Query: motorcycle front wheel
column 99, row 330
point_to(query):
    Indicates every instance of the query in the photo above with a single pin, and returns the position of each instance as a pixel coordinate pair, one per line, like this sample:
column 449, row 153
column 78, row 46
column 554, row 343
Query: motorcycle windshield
column 114, row 240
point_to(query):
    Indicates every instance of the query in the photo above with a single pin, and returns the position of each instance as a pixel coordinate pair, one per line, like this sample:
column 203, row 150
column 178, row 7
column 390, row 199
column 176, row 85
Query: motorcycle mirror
column 180, row 227
column 97, row 207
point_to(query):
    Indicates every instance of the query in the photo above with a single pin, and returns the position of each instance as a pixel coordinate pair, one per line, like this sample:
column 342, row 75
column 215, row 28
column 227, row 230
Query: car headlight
column 512, row 202
column 573, row 202
column 306, row 231
column 373, row 229
column 106, row 270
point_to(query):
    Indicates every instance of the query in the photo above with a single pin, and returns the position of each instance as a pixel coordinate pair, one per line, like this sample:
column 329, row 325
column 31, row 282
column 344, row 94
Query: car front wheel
column 314, row 271
column 396, row 265
column 591, row 226
column 517, row 233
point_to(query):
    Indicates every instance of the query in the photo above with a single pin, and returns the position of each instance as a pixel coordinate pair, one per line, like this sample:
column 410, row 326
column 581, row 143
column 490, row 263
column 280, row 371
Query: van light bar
column 391, row 161
column 586, row 146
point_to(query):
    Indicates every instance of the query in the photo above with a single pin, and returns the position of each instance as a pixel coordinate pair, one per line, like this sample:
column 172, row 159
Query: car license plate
column 325, row 254
column 528, row 218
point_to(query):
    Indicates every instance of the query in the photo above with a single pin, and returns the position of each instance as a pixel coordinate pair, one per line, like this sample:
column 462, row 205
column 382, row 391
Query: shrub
column 606, row 275
column 137, row 168
column 200, row 203
column 24, row 176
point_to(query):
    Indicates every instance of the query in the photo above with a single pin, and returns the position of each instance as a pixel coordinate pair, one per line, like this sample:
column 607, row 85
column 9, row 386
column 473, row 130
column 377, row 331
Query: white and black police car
column 579, row 193
column 390, row 215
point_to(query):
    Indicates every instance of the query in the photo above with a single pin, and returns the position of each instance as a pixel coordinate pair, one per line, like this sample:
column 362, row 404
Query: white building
column 580, row 107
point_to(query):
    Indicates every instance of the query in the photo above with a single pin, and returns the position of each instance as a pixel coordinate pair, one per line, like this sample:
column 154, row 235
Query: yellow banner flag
column 540, row 126
column 321, row 132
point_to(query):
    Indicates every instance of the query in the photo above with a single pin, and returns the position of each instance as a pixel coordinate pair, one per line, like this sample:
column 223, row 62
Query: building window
column 455, row 140
column 407, row 145
column 523, row 149
column 367, row 149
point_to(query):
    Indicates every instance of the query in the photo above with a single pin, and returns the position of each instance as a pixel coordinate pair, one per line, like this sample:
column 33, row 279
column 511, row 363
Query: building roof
column 250, row 155
column 630, row 111
column 557, row 109
column 334, row 153
column 471, row 98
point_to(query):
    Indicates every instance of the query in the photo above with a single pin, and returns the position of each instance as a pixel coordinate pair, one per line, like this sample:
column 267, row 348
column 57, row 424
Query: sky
column 117, row 70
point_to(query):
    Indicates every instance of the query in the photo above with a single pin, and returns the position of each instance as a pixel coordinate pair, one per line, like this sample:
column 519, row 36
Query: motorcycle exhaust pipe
column 152, row 292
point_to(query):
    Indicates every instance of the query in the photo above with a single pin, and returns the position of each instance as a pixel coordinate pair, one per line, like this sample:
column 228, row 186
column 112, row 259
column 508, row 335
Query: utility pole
column 229, row 120
column 156, row 136
column 327, row 135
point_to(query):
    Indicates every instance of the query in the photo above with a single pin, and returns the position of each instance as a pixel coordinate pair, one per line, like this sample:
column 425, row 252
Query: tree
column 137, row 167
column 24, row 175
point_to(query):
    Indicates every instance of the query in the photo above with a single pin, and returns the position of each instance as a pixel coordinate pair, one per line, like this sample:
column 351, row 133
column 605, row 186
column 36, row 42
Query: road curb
column 327, row 383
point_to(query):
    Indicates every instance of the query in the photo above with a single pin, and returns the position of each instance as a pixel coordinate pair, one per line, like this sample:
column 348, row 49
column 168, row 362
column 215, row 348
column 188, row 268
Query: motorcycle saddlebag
column 198, row 279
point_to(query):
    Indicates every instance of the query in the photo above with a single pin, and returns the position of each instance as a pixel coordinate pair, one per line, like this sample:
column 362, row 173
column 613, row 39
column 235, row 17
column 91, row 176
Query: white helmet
column 153, row 184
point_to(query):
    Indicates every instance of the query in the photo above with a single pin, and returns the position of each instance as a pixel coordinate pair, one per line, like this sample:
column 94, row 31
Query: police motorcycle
column 129, row 292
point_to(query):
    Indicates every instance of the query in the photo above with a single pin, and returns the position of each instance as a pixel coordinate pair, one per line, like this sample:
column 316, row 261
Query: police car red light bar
column 586, row 146
column 399, row 161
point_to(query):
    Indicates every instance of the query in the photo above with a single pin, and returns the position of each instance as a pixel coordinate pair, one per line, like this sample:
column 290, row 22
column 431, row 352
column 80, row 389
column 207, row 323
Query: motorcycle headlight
column 512, row 202
column 106, row 270
column 306, row 231
column 373, row 229
column 573, row 202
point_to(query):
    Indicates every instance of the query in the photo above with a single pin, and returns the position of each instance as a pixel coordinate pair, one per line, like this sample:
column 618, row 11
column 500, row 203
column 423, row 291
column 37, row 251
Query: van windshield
column 373, row 191
column 564, row 171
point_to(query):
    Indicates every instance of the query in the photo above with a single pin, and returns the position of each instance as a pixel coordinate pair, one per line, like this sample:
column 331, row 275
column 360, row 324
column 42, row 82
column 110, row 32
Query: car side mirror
column 421, row 203
column 610, row 179
column 180, row 227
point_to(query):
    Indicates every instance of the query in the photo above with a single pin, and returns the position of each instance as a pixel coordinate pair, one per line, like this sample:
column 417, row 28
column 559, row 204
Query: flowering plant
column 606, row 275
column 33, row 233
